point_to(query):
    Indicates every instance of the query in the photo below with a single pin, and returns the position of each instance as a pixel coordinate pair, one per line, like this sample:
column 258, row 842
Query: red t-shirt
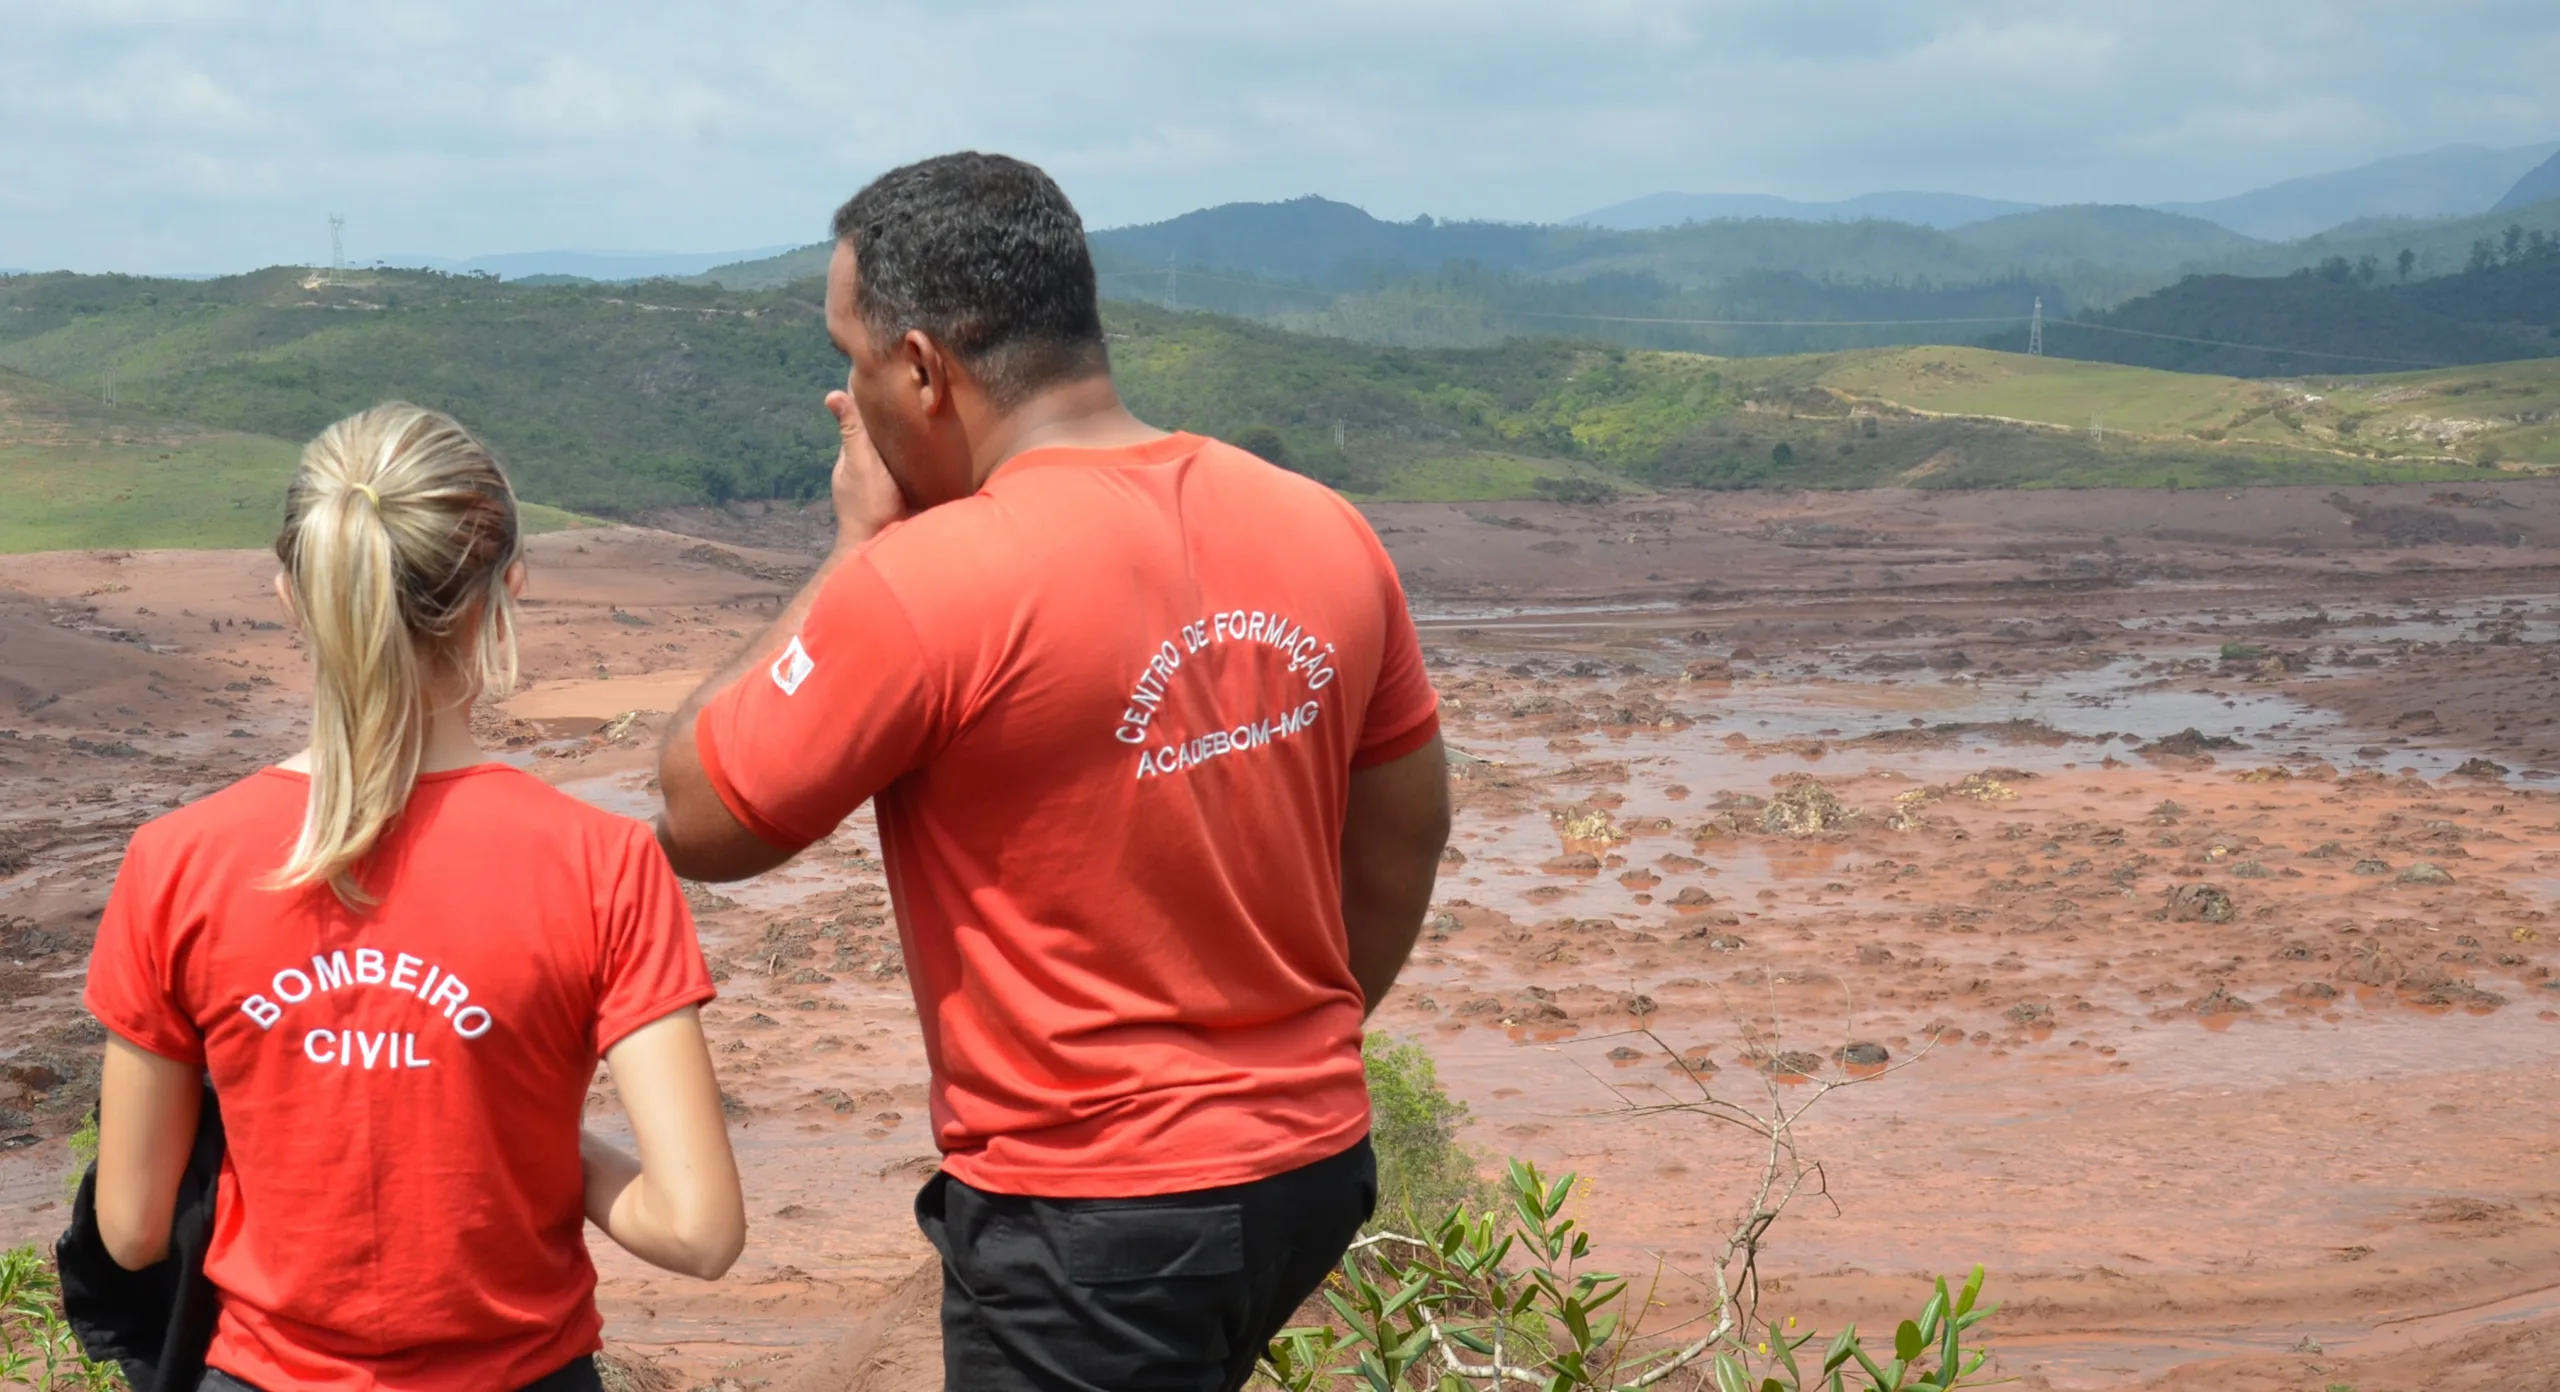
column 1109, row 705
column 402, row 1206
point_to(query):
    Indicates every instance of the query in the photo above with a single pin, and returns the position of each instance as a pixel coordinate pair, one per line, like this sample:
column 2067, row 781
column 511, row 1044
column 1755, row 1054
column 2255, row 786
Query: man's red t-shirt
column 402, row 1205
column 1110, row 706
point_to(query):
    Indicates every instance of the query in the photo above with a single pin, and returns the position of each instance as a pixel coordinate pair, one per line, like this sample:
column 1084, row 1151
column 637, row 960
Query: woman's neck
column 449, row 743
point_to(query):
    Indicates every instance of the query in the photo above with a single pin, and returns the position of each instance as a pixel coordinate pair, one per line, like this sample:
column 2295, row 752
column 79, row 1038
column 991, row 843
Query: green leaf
column 1907, row 1342
column 1772, row 1385
column 1972, row 1290
column 1729, row 1375
column 1842, row 1345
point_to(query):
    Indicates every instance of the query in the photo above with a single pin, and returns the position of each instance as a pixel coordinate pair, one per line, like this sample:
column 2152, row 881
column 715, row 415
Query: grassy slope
column 76, row 473
column 608, row 398
column 2508, row 412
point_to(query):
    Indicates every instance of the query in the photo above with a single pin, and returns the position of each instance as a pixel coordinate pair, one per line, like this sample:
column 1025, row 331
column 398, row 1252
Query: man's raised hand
column 866, row 497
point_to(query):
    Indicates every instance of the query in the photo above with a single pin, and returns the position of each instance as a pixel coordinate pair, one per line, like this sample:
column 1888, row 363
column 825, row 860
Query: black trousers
column 1178, row 1293
column 576, row 1375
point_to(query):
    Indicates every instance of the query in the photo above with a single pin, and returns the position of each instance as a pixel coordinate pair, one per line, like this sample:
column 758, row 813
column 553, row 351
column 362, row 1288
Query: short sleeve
column 837, row 713
column 132, row 967
column 652, row 962
column 1404, row 710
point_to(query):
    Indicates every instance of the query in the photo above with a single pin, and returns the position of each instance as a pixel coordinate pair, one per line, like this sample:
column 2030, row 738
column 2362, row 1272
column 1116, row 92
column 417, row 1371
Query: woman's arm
column 678, row 1205
column 147, row 1110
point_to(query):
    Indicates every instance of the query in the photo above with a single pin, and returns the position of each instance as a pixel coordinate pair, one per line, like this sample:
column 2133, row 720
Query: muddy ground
column 2186, row 858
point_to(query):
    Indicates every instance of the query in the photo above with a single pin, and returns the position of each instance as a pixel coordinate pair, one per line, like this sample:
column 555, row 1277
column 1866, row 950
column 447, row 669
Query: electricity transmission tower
column 2035, row 331
column 337, row 245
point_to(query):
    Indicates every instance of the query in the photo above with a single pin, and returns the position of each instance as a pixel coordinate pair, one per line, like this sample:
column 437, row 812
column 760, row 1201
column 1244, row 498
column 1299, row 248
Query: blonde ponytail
column 398, row 533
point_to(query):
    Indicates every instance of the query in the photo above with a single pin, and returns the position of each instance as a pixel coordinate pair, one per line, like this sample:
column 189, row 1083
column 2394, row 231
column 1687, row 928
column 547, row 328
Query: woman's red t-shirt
column 402, row 1206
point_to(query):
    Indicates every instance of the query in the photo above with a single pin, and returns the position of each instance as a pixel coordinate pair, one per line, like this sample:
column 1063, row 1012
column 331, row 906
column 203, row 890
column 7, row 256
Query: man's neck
column 1085, row 414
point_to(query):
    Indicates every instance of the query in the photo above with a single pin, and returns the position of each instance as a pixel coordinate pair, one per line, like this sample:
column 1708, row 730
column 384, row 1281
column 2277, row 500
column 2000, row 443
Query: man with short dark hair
column 1160, row 790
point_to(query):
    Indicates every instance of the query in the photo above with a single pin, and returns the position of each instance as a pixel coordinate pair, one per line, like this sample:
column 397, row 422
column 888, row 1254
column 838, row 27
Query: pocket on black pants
column 1154, row 1243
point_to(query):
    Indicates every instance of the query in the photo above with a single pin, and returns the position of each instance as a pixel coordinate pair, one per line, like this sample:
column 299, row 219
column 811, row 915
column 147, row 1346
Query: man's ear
column 931, row 369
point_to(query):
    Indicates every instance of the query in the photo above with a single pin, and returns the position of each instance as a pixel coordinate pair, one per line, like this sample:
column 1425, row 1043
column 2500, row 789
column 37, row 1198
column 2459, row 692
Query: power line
column 2253, row 347
column 1578, row 317
column 2035, row 320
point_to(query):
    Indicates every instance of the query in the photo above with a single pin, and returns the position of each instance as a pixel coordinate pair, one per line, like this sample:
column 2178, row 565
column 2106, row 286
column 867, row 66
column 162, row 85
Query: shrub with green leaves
column 37, row 1350
column 1424, row 1172
column 1499, row 1298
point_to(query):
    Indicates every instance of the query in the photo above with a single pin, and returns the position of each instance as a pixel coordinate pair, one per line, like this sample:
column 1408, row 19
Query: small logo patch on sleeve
column 793, row 667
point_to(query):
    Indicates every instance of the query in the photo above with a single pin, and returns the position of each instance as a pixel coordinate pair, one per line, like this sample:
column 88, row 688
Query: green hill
column 76, row 472
column 2506, row 308
column 610, row 399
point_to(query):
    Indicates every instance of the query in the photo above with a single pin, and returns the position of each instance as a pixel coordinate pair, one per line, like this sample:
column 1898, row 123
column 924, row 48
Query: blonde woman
column 398, row 964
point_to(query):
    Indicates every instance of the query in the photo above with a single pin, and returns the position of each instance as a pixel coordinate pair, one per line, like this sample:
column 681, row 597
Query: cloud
column 200, row 135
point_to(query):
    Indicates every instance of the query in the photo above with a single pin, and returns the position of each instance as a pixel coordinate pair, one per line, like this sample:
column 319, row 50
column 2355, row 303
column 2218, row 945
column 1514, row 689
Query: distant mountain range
column 1939, row 210
column 583, row 265
column 2539, row 185
column 2454, row 181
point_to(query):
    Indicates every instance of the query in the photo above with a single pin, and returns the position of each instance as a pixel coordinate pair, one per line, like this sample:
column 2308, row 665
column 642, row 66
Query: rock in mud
column 1865, row 1054
column 2200, row 903
column 2425, row 872
column 2481, row 768
column 1803, row 809
column 1637, row 1004
column 1692, row 897
column 1572, row 863
column 2219, row 1001
column 2371, row 866
column 2029, row 1013
column 2191, row 743
column 2315, row 991
column 1793, row 1063
column 1874, row 955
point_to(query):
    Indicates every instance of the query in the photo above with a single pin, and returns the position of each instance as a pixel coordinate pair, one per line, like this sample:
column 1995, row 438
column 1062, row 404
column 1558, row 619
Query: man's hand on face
column 866, row 497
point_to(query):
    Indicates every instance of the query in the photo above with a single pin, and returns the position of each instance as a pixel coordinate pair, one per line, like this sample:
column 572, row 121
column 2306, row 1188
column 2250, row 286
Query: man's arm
column 703, row 839
column 1392, row 836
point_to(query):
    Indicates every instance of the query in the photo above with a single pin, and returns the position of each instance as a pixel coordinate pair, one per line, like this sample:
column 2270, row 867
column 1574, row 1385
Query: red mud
column 2286, row 1130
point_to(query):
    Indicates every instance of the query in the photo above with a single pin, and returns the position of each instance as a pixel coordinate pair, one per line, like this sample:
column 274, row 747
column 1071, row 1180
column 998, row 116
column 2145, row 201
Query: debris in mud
column 1874, row 955
column 2190, row 743
column 709, row 555
column 2370, row 866
column 1572, row 863
column 2219, row 1001
column 1691, row 897
column 1636, row 1004
column 2029, row 1013
column 1585, row 823
column 702, row 898
column 1707, row 670
column 1791, row 1063
column 2200, row 903
column 1804, row 809
column 2314, row 991
column 2425, row 872
column 1864, row 1054
column 2481, row 768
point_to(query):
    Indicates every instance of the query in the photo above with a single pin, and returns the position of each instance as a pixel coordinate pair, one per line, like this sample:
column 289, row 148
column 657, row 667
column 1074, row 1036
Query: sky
column 193, row 136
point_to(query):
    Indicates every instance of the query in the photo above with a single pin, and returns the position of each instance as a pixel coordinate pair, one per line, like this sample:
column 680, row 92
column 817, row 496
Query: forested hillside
column 612, row 399
column 2342, row 317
